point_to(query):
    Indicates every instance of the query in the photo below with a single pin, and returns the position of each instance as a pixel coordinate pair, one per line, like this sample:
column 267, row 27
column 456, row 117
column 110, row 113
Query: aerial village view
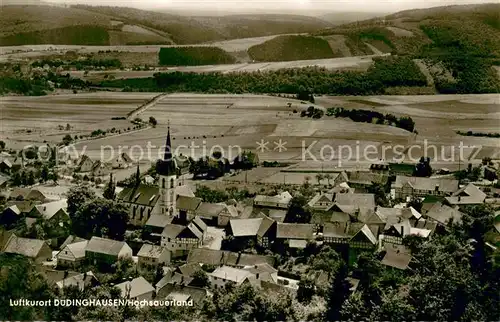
column 180, row 163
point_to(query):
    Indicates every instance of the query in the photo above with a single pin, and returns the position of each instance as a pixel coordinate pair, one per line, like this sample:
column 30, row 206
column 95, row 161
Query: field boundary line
column 131, row 115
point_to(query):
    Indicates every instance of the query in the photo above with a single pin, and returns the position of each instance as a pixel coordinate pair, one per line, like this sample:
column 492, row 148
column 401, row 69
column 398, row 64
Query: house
column 84, row 164
column 220, row 257
column 122, row 161
column 70, row 240
column 54, row 212
column 297, row 235
column 280, row 201
column 442, row 214
column 468, row 195
column 36, row 249
column 10, row 216
column 267, row 231
column 100, row 169
column 186, row 207
column 34, row 195
column 223, row 275
column 106, row 251
column 81, row 281
column 397, row 257
column 227, row 213
column 365, row 179
column 210, row 211
column 72, row 255
column 188, row 293
column 364, row 238
column 180, row 239
column 244, row 230
column 155, row 226
column 137, row 289
column 321, row 201
column 263, row 272
column 356, row 200
column 420, row 187
column 151, row 256
column 5, row 166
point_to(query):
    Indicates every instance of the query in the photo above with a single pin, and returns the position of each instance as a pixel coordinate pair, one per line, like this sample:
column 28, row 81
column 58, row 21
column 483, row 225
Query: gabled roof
column 172, row 230
column 321, row 197
column 184, row 190
column 78, row 280
column 48, row 210
column 77, row 249
column 187, row 203
column 260, row 268
column 14, row 209
column 5, row 237
column 397, row 257
column 366, row 233
column 138, row 286
column 200, row 224
column 429, row 184
column 105, row 246
column 195, row 230
column 294, row 231
column 442, row 214
column 245, row 227
column 189, row 269
column 265, row 225
column 151, row 251
column 207, row 209
column 468, row 195
column 144, row 195
column 159, row 221
column 25, row 246
column 358, row 200
column 336, row 230
column 232, row 274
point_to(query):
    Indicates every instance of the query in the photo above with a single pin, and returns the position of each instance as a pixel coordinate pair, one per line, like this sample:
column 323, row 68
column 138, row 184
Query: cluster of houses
column 182, row 235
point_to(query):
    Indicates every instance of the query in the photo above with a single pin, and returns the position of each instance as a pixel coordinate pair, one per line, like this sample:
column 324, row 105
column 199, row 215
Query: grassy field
column 237, row 122
column 286, row 48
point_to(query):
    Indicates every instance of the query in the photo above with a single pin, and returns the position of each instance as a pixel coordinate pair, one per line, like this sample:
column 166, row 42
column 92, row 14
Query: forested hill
column 89, row 25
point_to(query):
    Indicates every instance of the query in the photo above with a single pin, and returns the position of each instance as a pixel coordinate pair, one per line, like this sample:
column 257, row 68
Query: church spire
column 166, row 167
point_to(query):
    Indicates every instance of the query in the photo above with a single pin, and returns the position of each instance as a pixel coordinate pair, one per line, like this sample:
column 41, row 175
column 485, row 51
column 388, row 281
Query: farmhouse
column 297, row 235
column 54, row 212
column 106, row 251
column 442, row 214
column 281, row 201
column 420, row 187
column 180, row 239
column 36, row 249
column 136, row 289
column 81, row 281
column 226, row 274
column 152, row 256
column 84, row 164
column 468, row 195
column 72, row 255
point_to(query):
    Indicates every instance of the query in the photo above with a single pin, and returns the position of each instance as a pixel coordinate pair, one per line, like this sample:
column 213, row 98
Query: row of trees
column 368, row 116
column 79, row 64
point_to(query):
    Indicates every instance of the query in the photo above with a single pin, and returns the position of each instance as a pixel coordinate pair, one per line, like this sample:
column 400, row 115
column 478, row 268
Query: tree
column 44, row 174
column 319, row 177
column 380, row 194
column 77, row 197
column 306, row 290
column 298, row 211
column 67, row 139
column 153, row 121
column 2, row 145
column 338, row 292
column 328, row 177
column 109, row 191
column 200, row 279
column 101, row 217
column 423, row 168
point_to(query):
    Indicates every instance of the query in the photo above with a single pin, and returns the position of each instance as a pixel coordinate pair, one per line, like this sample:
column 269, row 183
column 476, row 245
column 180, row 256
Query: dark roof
column 159, row 221
column 336, row 230
column 207, row 209
column 142, row 194
column 104, row 246
column 295, row 231
column 187, row 203
column 172, row 231
column 189, row 269
column 265, row 225
column 397, row 258
column 220, row 257
column 166, row 166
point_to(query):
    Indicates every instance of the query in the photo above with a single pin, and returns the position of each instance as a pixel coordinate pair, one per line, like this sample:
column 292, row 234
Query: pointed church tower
column 167, row 182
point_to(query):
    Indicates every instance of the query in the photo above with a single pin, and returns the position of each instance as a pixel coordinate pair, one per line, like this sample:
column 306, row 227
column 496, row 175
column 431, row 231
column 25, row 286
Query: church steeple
column 166, row 167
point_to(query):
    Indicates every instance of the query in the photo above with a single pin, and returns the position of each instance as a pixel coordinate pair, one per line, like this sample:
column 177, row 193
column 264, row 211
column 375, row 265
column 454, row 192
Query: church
column 146, row 200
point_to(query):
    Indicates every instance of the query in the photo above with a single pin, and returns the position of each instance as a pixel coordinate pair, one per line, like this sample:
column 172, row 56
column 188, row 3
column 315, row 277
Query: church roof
column 142, row 194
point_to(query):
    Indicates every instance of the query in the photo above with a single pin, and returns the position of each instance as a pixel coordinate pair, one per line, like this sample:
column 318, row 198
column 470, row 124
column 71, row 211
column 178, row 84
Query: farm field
column 233, row 123
column 351, row 63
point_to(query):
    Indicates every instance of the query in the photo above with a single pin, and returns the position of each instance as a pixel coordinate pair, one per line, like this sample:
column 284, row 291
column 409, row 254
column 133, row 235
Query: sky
column 238, row 5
